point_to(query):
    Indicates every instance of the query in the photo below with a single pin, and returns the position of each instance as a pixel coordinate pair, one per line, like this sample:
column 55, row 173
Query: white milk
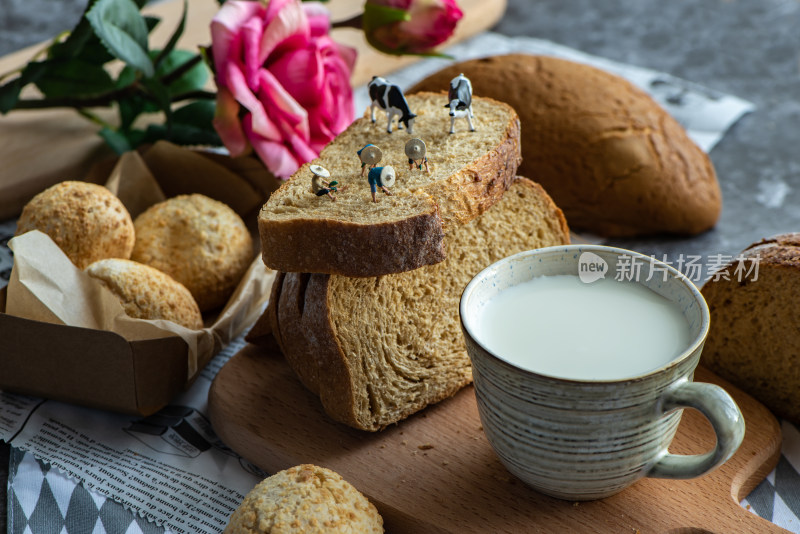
column 605, row 330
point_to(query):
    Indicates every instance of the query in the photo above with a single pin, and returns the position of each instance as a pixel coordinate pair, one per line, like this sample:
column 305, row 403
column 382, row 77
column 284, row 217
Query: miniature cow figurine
column 460, row 96
column 389, row 97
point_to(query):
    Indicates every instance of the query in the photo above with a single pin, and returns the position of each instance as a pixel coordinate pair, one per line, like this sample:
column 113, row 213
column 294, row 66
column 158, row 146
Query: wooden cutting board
column 42, row 147
column 435, row 472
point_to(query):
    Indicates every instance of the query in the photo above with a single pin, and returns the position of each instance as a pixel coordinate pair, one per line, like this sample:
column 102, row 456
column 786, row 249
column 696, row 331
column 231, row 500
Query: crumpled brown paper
column 46, row 286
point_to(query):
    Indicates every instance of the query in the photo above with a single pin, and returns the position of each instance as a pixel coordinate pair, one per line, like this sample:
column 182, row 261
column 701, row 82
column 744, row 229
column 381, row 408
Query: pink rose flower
column 283, row 85
column 409, row 26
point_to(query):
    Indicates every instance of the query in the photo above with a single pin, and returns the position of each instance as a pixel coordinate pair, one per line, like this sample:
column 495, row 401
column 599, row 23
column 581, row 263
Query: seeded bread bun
column 305, row 499
column 754, row 341
column 85, row 220
column 614, row 160
column 198, row 241
column 147, row 293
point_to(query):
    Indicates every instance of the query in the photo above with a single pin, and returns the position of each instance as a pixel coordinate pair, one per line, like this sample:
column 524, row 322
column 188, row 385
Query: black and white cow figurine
column 460, row 96
column 389, row 97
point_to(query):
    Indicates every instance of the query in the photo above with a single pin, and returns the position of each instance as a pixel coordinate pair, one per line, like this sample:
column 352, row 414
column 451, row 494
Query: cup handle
column 723, row 414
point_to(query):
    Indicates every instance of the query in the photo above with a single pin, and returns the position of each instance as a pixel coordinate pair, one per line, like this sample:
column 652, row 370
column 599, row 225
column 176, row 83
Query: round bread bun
column 85, row 220
column 305, row 499
column 147, row 293
column 200, row 242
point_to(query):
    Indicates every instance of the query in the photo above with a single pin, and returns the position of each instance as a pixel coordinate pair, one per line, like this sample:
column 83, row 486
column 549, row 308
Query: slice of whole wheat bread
column 754, row 337
column 354, row 236
column 376, row 350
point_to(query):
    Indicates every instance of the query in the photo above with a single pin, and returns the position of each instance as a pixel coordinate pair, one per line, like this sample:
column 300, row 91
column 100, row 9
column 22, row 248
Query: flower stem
column 355, row 22
column 94, row 118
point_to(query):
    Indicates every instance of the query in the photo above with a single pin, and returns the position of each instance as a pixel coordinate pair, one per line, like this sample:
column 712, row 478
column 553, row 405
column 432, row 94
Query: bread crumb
column 445, row 462
column 425, row 446
column 576, row 504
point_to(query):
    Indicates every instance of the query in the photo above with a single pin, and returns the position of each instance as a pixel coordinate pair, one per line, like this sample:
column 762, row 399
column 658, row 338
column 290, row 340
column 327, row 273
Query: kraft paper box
column 65, row 337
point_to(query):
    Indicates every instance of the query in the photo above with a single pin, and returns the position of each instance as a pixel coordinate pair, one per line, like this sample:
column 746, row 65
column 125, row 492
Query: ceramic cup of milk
column 583, row 358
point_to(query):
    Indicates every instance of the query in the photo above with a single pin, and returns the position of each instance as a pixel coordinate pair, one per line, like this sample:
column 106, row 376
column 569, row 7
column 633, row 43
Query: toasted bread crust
column 337, row 247
column 315, row 243
column 300, row 310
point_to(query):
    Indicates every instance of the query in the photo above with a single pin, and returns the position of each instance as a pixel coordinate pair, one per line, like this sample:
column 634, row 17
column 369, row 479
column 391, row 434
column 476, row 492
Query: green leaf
column 9, row 92
column 116, row 140
column 129, row 109
column 192, row 80
column 170, row 46
column 77, row 39
column 182, row 134
column 159, row 94
column 74, row 78
column 199, row 114
column 9, row 95
column 123, row 31
column 151, row 22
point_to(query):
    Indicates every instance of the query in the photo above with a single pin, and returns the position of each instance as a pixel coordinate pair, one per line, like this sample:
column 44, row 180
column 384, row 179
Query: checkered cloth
column 43, row 501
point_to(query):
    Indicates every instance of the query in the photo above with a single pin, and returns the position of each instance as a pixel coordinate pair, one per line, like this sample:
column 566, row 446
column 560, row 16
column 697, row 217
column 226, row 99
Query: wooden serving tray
column 435, row 472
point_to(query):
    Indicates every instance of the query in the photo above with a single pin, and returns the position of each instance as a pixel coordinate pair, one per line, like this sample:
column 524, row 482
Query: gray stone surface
column 27, row 22
column 750, row 48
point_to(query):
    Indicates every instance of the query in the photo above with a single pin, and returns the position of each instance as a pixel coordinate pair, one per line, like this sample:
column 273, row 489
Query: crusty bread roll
column 354, row 236
column 198, row 241
column 377, row 350
column 613, row 159
column 754, row 341
column 305, row 499
column 85, row 220
column 147, row 293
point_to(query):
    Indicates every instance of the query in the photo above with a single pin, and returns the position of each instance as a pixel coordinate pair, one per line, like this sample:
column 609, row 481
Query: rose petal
column 279, row 102
column 226, row 123
column 226, row 23
column 301, row 74
column 289, row 22
column 246, row 98
column 319, row 18
column 251, row 33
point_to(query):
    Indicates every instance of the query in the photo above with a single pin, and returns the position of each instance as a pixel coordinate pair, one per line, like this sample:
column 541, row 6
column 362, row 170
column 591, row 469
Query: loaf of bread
column 305, row 499
column 198, row 241
column 376, row 350
column 354, row 236
column 85, row 220
column 754, row 341
column 147, row 293
column 614, row 160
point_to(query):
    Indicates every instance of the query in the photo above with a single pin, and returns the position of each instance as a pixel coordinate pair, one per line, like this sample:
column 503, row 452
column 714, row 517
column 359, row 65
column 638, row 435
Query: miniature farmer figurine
column 415, row 150
column 382, row 177
column 320, row 185
column 369, row 155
